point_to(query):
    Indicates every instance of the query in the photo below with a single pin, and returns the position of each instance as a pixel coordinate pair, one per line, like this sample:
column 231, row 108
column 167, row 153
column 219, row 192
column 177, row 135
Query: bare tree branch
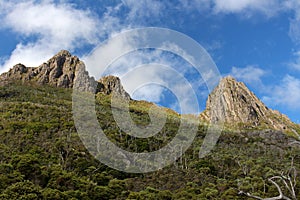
column 281, row 196
column 288, row 180
column 294, row 142
column 249, row 195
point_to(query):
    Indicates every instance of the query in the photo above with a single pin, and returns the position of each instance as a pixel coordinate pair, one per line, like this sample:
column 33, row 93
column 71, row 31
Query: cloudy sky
column 256, row 41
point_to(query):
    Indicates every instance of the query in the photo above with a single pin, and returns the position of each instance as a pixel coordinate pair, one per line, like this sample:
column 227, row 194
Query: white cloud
column 179, row 51
column 213, row 46
column 199, row 5
column 145, row 9
column 146, row 75
column 53, row 27
column 168, row 78
column 286, row 93
column 123, row 56
column 267, row 7
column 296, row 63
column 59, row 22
column 98, row 61
column 151, row 92
column 250, row 74
column 250, row 8
column 247, row 8
column 294, row 31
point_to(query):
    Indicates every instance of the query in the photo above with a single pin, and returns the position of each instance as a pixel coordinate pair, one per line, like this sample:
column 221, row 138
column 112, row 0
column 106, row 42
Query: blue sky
column 256, row 41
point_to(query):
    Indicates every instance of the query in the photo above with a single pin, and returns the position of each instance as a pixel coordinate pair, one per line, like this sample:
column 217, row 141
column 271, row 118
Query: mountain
column 62, row 71
column 42, row 155
column 233, row 104
column 59, row 71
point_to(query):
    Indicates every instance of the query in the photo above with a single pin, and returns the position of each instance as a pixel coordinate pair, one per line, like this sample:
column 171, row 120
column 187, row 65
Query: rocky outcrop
column 58, row 71
column 66, row 71
column 109, row 84
column 232, row 103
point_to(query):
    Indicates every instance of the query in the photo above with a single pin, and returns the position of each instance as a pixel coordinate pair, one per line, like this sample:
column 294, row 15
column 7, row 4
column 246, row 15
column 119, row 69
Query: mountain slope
column 231, row 102
column 42, row 156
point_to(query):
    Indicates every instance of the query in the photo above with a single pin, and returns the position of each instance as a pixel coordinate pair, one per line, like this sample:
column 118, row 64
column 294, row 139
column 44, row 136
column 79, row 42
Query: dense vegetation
column 42, row 156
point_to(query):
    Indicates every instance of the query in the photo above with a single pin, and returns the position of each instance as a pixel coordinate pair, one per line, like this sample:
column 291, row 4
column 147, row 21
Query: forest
column 42, row 156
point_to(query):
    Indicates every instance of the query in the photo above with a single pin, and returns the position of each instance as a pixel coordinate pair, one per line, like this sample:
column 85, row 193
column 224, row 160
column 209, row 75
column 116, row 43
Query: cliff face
column 63, row 70
column 109, row 84
column 58, row 71
column 232, row 103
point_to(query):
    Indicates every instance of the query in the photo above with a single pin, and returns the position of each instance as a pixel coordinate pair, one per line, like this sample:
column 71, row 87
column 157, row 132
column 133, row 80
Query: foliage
column 42, row 157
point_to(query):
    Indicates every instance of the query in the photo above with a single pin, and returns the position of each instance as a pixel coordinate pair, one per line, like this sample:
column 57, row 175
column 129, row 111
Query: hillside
column 42, row 156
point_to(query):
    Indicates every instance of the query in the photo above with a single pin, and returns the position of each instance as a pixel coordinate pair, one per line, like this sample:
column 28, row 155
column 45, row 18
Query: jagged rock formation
column 232, row 103
column 66, row 71
column 58, row 71
column 109, row 84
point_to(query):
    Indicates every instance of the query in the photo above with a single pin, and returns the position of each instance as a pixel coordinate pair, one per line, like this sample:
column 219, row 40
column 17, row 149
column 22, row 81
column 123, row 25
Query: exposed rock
column 58, row 71
column 66, row 71
column 17, row 72
column 232, row 103
column 108, row 84
column 82, row 80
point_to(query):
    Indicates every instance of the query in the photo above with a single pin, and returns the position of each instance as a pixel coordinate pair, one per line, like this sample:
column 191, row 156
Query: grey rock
column 58, row 71
column 109, row 84
column 65, row 71
column 233, row 104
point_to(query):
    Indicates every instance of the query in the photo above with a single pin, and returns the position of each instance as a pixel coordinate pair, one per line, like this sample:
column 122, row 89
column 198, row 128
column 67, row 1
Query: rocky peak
column 108, row 84
column 231, row 102
column 58, row 71
column 63, row 70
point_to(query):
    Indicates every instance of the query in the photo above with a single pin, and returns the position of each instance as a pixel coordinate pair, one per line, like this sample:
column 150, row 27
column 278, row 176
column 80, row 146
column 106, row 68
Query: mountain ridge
column 63, row 70
column 231, row 102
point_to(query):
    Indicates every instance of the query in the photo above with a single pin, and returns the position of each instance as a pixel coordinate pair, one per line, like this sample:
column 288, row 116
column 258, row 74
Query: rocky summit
column 109, row 84
column 232, row 103
column 65, row 71
column 58, row 71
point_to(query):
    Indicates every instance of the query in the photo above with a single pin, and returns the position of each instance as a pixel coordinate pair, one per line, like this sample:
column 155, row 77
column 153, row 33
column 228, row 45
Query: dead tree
column 289, row 182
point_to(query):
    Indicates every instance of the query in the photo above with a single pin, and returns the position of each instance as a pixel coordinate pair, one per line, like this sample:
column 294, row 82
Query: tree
column 21, row 190
column 289, row 183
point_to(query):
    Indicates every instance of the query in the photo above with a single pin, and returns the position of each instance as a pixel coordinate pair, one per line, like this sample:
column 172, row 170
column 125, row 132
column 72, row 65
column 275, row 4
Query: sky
column 255, row 41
